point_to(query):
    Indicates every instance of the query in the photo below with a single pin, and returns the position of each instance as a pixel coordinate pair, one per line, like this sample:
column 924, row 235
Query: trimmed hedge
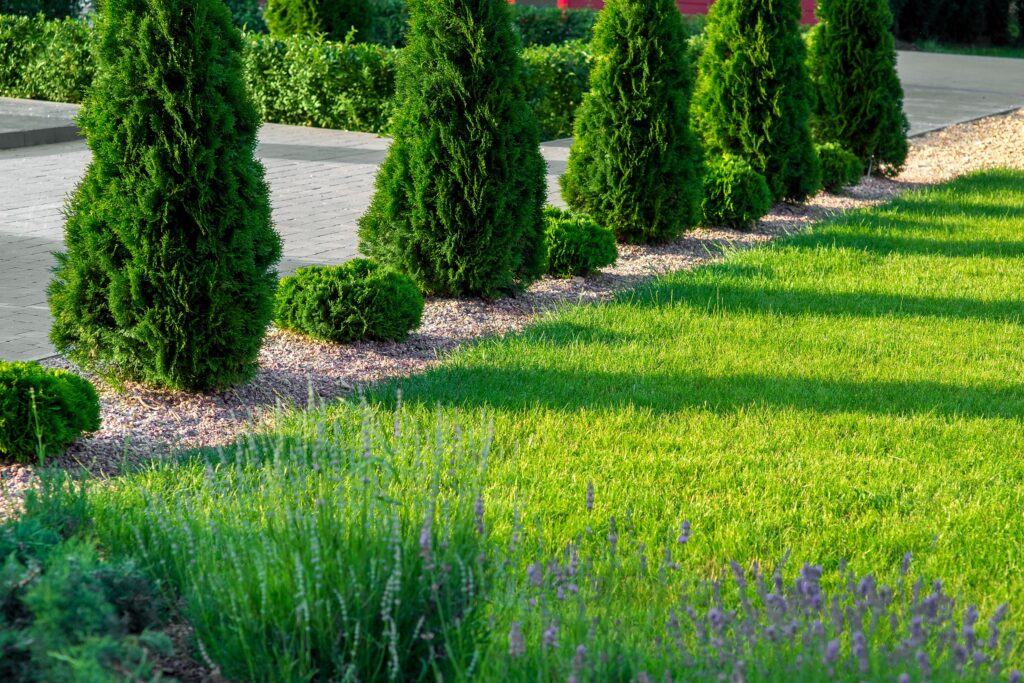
column 299, row 80
column 576, row 245
column 40, row 407
column 955, row 21
column 839, row 167
column 553, row 26
column 51, row 9
column 735, row 195
column 357, row 300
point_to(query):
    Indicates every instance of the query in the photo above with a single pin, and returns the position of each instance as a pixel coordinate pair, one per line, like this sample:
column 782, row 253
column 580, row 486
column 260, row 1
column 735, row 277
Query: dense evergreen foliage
column 168, row 276
column 839, row 167
column 860, row 99
column 754, row 96
column 43, row 409
column 576, row 245
column 357, row 300
column 459, row 198
column 635, row 163
column 334, row 18
column 735, row 195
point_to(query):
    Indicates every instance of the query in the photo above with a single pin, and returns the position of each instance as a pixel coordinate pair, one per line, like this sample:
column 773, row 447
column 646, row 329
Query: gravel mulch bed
column 141, row 423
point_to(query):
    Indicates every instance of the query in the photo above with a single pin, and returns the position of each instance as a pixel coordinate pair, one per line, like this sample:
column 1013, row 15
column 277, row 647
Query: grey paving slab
column 321, row 180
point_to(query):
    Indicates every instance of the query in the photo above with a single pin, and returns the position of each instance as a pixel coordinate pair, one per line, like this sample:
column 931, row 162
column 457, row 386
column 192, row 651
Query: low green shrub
column 839, row 167
column 66, row 615
column 307, row 81
column 555, row 78
column 299, row 80
column 553, row 26
column 357, row 300
column 247, row 15
column 43, row 409
column 576, row 244
column 45, row 60
column 735, row 195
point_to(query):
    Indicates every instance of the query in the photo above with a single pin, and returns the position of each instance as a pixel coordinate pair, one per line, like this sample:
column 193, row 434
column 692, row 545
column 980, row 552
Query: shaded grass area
column 851, row 393
column 1009, row 51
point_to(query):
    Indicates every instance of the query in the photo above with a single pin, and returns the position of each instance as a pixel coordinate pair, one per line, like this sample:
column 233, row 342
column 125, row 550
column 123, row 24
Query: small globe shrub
column 576, row 244
column 735, row 195
column 357, row 300
column 839, row 167
column 43, row 408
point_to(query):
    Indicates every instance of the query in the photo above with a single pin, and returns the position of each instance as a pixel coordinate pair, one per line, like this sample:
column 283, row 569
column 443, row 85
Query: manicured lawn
column 851, row 393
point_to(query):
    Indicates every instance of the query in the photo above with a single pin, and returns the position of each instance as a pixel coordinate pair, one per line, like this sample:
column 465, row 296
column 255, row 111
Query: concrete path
column 321, row 180
column 941, row 90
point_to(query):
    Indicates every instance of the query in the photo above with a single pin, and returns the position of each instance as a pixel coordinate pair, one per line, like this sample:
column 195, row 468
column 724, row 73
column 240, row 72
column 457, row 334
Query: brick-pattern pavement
column 320, row 183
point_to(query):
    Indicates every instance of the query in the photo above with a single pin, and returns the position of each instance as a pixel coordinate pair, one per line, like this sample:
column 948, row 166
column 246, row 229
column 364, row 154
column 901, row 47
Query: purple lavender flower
column 478, row 510
column 831, row 652
column 535, row 572
column 684, row 533
column 904, row 678
column 905, row 566
column 590, row 496
column 550, row 639
column 924, row 663
column 516, row 643
column 1014, row 677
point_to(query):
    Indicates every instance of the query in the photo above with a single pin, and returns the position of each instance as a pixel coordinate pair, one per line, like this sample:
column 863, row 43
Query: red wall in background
column 687, row 6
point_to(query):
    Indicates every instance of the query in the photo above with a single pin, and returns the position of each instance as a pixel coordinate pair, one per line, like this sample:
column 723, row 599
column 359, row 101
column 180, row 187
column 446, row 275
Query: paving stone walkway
column 320, row 183
column 321, row 180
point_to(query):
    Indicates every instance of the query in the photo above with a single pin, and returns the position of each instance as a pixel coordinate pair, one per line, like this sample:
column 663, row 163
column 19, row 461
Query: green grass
column 848, row 394
column 851, row 393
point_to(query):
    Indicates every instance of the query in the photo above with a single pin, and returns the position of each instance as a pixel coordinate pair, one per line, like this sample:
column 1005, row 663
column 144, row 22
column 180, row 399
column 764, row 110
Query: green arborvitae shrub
column 635, row 165
column 460, row 195
column 168, row 278
column 754, row 96
column 860, row 99
column 43, row 408
column 735, row 195
column 576, row 244
column 334, row 18
column 354, row 301
column 839, row 167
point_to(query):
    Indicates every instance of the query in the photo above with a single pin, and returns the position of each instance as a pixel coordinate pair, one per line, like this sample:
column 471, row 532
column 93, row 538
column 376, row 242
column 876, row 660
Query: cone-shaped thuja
column 169, row 274
column 754, row 97
column 459, row 198
column 635, row 165
column 860, row 99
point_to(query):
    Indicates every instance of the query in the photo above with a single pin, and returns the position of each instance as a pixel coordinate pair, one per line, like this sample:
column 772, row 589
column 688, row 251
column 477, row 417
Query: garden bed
column 140, row 423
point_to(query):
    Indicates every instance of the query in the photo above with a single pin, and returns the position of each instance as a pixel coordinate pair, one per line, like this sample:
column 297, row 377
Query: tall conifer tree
column 860, row 99
column 635, row 164
column 460, row 195
column 168, row 278
column 754, row 97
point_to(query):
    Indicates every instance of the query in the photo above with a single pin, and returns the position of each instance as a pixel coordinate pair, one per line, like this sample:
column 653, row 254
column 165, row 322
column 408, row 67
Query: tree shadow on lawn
column 522, row 388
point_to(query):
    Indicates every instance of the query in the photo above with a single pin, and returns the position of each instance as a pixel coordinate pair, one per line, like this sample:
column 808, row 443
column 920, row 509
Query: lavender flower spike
column 684, row 532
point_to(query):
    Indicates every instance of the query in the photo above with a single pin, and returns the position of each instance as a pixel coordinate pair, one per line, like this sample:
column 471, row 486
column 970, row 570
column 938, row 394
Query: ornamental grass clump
column 357, row 300
column 635, row 164
column 363, row 551
column 459, row 198
column 43, row 411
column 839, row 167
column 735, row 195
column 852, row 61
column 576, row 244
column 754, row 97
column 168, row 278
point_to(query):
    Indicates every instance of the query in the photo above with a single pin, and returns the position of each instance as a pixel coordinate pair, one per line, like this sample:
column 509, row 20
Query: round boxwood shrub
column 852, row 61
column 753, row 96
column 459, row 199
column 635, row 163
column 576, row 244
column 169, row 276
column 43, row 407
column 735, row 195
column 839, row 167
column 357, row 300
